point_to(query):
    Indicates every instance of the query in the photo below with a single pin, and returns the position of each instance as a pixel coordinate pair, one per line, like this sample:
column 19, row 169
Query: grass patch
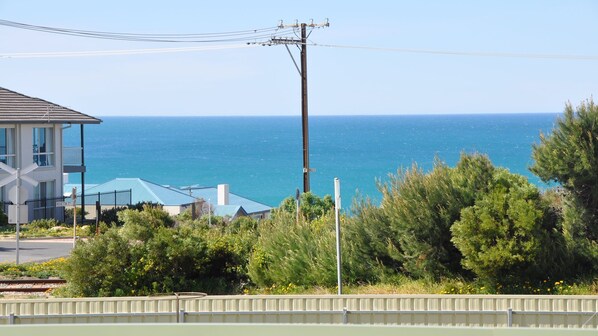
column 35, row 231
column 404, row 285
column 45, row 270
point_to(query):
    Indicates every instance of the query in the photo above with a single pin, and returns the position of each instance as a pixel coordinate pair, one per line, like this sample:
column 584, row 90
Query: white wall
column 24, row 158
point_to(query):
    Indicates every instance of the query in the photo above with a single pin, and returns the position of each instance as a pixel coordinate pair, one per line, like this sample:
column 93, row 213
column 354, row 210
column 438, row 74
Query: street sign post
column 15, row 194
column 74, row 198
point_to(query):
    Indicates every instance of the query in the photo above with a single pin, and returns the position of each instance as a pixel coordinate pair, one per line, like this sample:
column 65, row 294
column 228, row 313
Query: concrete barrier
column 419, row 310
column 273, row 330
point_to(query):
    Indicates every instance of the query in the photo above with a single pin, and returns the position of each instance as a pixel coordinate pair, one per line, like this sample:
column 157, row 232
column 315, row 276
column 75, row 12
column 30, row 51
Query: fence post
column 181, row 318
column 345, row 316
column 115, row 198
column 509, row 317
column 11, row 318
column 130, row 196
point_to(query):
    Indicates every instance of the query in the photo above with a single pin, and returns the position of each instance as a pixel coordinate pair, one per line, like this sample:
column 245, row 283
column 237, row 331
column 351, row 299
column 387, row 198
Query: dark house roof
column 19, row 108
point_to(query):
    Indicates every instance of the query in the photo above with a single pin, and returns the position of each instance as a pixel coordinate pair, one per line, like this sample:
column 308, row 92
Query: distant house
column 31, row 131
column 175, row 200
column 229, row 203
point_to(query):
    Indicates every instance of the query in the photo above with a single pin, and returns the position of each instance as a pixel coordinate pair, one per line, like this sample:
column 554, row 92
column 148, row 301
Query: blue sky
column 342, row 81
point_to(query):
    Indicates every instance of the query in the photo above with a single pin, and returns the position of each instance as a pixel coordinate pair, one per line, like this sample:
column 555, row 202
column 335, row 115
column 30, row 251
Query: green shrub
column 422, row 207
column 101, row 266
column 302, row 253
column 583, row 249
column 372, row 244
column 149, row 255
column 3, row 216
column 311, row 206
column 569, row 156
column 43, row 224
column 507, row 238
column 110, row 216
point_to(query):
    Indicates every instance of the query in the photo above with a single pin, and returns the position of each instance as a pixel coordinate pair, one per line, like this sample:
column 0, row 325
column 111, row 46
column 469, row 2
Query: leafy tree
column 422, row 207
column 311, row 206
column 149, row 255
column 101, row 267
column 373, row 244
column 507, row 237
column 569, row 156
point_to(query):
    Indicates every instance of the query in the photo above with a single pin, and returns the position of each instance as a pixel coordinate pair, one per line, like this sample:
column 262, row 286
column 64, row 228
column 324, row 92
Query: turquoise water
column 261, row 157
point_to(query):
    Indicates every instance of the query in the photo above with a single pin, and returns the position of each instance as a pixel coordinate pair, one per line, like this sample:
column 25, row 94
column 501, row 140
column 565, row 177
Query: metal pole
column 297, row 197
column 510, row 317
column 82, row 176
column 18, row 214
column 74, row 197
column 178, row 316
column 337, row 208
column 98, row 214
column 304, row 113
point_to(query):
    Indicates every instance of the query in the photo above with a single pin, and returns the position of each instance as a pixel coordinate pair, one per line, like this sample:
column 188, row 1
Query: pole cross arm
column 29, row 180
column 22, row 174
column 7, row 168
column 7, row 180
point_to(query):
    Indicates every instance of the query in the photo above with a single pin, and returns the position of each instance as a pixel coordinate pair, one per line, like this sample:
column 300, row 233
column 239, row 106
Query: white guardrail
column 273, row 330
column 409, row 310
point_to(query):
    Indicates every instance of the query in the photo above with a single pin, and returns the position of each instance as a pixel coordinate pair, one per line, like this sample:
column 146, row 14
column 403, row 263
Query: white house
column 31, row 131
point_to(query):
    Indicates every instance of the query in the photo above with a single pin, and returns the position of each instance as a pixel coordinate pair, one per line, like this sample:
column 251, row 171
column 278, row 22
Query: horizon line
column 319, row 115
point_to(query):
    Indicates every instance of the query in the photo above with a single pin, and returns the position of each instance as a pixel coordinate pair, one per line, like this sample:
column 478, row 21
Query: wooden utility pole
column 304, row 111
column 303, row 73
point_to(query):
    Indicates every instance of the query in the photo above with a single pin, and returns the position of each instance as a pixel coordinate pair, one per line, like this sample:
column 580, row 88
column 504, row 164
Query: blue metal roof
column 228, row 210
column 67, row 188
column 144, row 191
column 210, row 194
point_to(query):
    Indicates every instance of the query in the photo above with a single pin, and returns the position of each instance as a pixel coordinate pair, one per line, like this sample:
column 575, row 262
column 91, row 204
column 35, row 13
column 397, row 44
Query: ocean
column 261, row 157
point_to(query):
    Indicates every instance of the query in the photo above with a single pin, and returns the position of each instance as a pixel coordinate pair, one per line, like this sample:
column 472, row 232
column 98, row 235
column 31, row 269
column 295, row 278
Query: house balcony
column 72, row 160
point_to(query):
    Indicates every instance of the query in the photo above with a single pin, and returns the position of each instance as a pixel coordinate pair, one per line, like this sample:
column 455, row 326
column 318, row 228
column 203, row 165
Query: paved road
column 34, row 250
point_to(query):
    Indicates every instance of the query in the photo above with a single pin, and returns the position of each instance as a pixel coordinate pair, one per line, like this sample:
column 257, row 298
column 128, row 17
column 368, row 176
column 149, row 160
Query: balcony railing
column 71, row 156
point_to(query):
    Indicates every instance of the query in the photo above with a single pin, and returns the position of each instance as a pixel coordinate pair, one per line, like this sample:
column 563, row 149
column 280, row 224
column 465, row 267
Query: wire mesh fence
column 60, row 208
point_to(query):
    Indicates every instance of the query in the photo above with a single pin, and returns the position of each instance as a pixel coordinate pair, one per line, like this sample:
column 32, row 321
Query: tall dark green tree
column 569, row 156
column 422, row 207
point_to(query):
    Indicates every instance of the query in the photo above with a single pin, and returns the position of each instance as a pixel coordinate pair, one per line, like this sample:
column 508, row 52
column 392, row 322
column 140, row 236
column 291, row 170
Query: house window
column 43, row 146
column 7, row 146
column 44, row 204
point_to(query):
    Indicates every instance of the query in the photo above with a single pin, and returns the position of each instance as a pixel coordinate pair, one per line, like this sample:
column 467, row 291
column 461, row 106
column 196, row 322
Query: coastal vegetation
column 469, row 229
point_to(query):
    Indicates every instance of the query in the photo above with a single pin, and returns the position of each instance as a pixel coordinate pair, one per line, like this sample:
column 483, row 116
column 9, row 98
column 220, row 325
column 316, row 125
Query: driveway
column 34, row 249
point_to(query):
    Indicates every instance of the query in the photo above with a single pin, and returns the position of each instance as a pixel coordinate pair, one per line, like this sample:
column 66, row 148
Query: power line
column 231, row 36
column 278, row 34
column 124, row 52
column 463, row 53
